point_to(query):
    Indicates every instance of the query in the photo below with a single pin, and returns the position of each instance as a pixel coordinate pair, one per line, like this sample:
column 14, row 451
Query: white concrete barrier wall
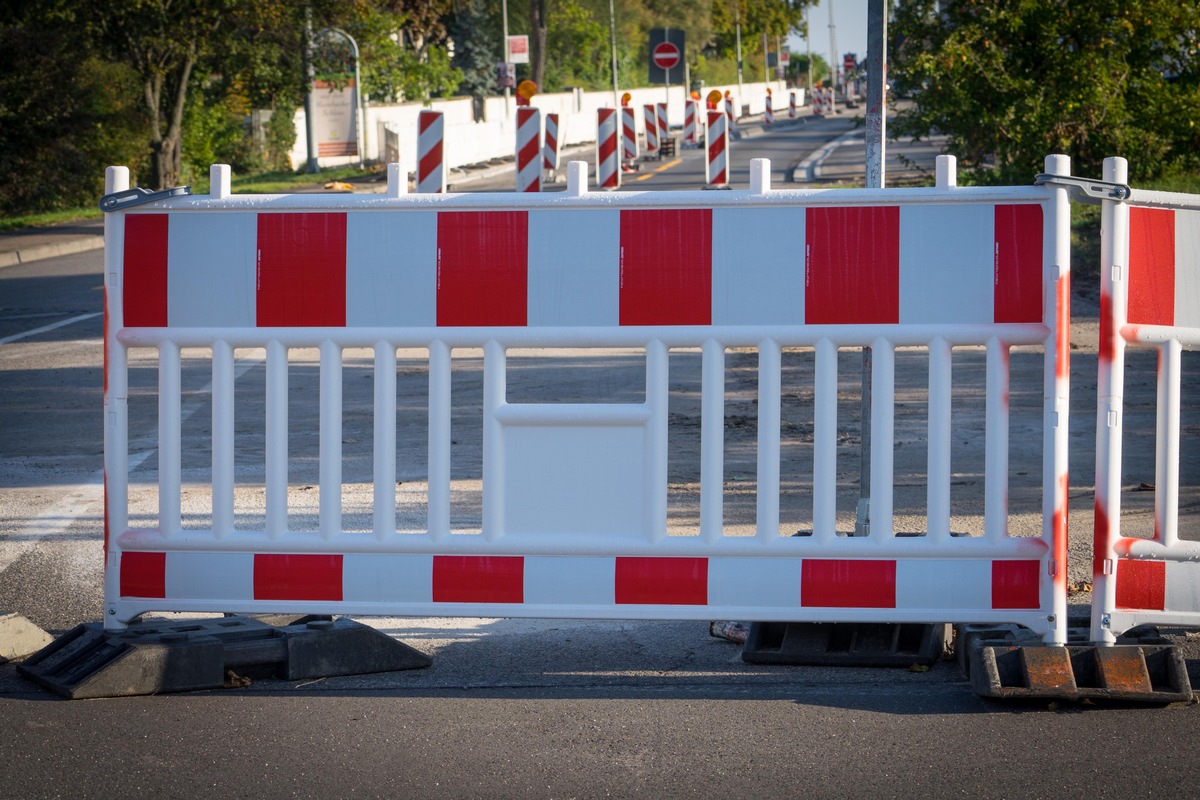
column 470, row 142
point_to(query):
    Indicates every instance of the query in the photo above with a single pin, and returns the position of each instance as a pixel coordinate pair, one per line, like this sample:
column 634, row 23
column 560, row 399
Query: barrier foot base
column 182, row 656
column 849, row 644
column 1010, row 663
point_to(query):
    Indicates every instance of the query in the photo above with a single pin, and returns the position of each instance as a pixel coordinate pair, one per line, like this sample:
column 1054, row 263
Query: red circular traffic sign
column 665, row 55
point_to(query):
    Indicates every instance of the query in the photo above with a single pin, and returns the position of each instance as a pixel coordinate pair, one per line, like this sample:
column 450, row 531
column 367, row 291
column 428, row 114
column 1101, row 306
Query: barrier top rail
column 939, row 269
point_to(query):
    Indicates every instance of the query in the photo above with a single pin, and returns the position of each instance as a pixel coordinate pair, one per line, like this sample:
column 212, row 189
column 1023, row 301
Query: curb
column 82, row 244
column 809, row 169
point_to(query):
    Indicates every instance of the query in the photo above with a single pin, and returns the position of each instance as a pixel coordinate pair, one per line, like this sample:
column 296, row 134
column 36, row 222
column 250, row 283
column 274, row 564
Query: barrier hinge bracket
column 1086, row 190
column 138, row 196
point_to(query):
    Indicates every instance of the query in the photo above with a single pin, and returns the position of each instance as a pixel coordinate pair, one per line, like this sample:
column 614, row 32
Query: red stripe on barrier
column 297, row 576
column 662, row 581
column 842, row 583
column 482, row 267
column 144, row 287
column 478, row 579
column 852, row 265
column 430, row 161
column 1018, row 264
column 427, row 118
column 1141, row 584
column 301, row 270
column 1016, row 584
column 143, row 575
column 666, row 267
column 1151, row 266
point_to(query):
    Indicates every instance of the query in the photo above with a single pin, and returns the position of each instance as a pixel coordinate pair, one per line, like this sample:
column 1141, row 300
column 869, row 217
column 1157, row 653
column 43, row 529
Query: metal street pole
column 737, row 22
column 504, row 25
column 833, row 57
column 310, row 75
column 612, row 29
column 808, row 46
column 876, row 93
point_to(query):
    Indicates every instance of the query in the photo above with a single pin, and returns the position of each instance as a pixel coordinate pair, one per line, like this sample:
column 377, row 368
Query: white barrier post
column 529, row 149
column 431, row 168
column 716, row 148
column 608, row 166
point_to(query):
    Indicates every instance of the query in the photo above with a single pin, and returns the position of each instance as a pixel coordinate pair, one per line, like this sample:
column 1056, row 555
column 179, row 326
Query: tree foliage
column 1011, row 81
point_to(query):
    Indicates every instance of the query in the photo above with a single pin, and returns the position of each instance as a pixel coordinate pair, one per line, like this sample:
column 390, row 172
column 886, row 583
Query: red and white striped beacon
column 431, row 167
column 629, row 140
column 550, row 144
column 716, row 149
column 529, row 149
column 608, row 160
column 689, row 122
column 651, row 129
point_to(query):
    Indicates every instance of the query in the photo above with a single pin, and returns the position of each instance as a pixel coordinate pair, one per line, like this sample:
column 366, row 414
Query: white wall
column 470, row 142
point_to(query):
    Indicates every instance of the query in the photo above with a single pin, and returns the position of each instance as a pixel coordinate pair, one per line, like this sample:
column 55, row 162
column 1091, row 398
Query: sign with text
column 518, row 49
column 666, row 55
column 334, row 114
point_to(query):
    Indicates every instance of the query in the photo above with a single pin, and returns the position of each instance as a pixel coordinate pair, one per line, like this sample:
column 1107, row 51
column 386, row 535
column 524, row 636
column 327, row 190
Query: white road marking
column 60, row 324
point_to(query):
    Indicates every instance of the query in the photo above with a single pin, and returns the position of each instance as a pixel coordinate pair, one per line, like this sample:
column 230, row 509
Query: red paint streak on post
column 1015, row 584
column 852, row 265
column 297, row 576
column 1100, row 536
column 661, row 581
column 301, row 270
column 1151, row 266
column 843, row 583
column 478, row 579
column 144, row 283
column 1141, row 584
column 143, row 574
column 1108, row 333
column 1062, row 360
column 482, row 268
column 666, row 267
column 1018, row 263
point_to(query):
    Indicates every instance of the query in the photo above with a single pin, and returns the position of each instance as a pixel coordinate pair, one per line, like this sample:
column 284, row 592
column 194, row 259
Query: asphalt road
column 510, row 708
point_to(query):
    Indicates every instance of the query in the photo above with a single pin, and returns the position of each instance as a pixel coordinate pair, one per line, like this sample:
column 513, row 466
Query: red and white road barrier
column 664, row 129
column 529, row 149
column 729, row 110
column 608, row 151
column 629, row 139
column 1150, row 279
column 550, row 145
column 716, row 150
column 651, row 120
column 431, row 166
column 791, row 105
column 691, row 109
column 768, row 112
column 574, row 516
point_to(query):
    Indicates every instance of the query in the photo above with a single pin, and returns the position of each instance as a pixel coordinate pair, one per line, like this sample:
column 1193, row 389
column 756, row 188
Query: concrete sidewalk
column 52, row 241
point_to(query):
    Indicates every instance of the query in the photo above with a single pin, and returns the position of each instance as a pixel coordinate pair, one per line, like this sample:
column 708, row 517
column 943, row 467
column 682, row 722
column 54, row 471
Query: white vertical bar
column 883, row 453
column 439, row 440
column 938, row 461
column 397, row 181
column 824, row 482
column 116, row 406
column 760, row 175
column 946, row 172
column 1110, row 392
column 277, row 443
column 330, row 509
column 769, row 400
column 1166, row 478
column 494, row 369
column 219, row 181
column 577, row 184
column 1056, row 260
column 169, row 439
column 384, row 449
column 712, row 442
column 223, row 378
column 995, row 475
column 657, row 393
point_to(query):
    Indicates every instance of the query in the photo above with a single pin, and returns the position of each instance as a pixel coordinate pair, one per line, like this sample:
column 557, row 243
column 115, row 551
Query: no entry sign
column 666, row 55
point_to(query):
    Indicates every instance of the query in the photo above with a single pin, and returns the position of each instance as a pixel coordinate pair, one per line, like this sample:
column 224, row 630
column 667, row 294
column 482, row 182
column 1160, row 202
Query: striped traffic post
column 664, row 130
column 629, row 140
column 608, row 162
column 431, row 167
column 768, row 111
column 729, row 108
column 689, row 123
column 529, row 149
column 791, row 105
column 550, row 144
column 651, row 129
column 716, row 148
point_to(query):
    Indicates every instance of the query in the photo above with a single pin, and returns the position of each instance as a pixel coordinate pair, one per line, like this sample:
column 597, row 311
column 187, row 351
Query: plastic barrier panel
column 684, row 453
column 1150, row 303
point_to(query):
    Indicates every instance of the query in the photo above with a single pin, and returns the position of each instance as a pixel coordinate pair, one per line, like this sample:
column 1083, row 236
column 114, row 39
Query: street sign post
column 666, row 55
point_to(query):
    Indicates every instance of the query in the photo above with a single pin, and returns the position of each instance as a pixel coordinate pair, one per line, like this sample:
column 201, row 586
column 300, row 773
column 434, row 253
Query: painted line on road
column 664, row 167
column 52, row 326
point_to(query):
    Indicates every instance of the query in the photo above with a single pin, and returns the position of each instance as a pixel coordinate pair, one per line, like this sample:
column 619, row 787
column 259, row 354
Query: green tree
column 1011, row 81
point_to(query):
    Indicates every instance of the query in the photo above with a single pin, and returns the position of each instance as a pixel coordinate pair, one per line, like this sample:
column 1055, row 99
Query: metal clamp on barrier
column 1086, row 190
column 138, row 196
